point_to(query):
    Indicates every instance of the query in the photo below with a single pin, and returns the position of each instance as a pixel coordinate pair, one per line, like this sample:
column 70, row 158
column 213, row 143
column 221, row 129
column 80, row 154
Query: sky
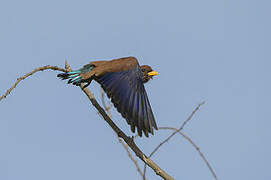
column 212, row 51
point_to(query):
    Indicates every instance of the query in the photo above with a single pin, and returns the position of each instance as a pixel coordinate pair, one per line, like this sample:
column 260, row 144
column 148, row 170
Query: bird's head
column 148, row 73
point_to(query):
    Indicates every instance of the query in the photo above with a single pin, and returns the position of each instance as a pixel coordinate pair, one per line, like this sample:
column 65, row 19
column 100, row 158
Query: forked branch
column 194, row 145
column 175, row 132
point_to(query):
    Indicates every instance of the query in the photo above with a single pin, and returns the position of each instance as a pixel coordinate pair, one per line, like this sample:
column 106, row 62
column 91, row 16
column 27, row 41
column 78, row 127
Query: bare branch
column 194, row 145
column 29, row 74
column 178, row 130
column 170, row 136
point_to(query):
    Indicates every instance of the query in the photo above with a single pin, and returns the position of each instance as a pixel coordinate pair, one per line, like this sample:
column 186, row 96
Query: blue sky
column 213, row 51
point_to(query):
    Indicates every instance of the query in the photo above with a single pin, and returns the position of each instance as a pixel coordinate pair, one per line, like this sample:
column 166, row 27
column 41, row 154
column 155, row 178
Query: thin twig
column 182, row 126
column 170, row 136
column 195, row 146
column 29, row 74
column 125, row 146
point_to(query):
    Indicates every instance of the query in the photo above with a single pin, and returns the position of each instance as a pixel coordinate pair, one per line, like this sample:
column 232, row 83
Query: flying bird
column 123, row 81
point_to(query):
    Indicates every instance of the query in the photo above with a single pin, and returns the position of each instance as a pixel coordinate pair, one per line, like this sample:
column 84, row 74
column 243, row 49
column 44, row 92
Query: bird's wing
column 127, row 92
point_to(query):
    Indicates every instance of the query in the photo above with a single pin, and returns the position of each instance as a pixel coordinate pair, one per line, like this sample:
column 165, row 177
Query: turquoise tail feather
column 75, row 76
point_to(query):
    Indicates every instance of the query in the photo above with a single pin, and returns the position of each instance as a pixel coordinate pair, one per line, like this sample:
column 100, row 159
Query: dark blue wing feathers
column 140, row 120
column 128, row 95
column 145, row 116
column 118, row 87
column 130, row 110
column 150, row 113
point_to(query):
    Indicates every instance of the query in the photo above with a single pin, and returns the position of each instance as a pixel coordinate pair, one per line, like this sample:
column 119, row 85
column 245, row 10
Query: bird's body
column 123, row 81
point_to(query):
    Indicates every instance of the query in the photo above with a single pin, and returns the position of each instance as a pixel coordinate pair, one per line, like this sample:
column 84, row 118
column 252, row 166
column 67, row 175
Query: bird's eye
column 143, row 70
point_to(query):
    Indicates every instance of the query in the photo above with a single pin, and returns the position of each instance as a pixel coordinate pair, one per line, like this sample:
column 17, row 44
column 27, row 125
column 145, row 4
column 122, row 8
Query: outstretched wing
column 127, row 92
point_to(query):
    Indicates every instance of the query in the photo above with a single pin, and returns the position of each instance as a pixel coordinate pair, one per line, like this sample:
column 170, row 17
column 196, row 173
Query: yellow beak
column 152, row 73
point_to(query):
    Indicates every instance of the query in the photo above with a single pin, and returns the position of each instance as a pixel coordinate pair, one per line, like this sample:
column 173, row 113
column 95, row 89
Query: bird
column 123, row 81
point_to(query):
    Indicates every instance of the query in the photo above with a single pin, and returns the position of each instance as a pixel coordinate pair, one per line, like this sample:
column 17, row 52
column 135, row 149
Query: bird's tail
column 75, row 76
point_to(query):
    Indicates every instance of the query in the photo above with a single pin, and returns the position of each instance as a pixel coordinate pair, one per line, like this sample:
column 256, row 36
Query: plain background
column 214, row 51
